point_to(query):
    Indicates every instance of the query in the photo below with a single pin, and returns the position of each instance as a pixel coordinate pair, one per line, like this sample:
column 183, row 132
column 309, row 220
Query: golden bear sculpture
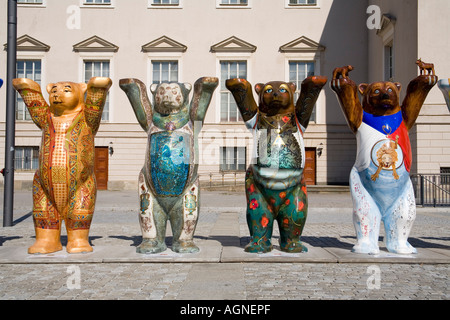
column 64, row 186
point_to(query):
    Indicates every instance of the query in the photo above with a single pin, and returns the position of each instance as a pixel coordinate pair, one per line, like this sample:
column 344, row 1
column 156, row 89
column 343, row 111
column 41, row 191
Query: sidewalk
column 222, row 270
column 222, row 233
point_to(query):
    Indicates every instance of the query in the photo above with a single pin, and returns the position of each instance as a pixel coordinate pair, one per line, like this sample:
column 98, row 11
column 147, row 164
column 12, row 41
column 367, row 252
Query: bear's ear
column 259, row 87
column 398, row 85
column 293, row 87
column 49, row 87
column 188, row 87
column 153, row 87
column 363, row 88
column 83, row 87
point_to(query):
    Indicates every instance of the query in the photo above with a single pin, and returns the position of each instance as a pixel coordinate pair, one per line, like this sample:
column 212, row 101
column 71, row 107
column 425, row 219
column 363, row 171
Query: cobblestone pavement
column 266, row 281
column 326, row 227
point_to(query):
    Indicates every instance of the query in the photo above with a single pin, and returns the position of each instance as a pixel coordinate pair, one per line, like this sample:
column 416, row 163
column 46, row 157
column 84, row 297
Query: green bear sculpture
column 168, row 183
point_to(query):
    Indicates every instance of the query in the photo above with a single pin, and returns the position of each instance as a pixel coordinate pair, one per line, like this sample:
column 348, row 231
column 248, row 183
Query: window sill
column 97, row 6
column 165, row 6
column 31, row 5
column 233, row 6
column 301, row 6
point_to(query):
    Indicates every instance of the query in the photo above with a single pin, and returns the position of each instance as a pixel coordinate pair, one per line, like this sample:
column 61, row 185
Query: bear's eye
column 390, row 90
column 269, row 91
column 282, row 90
column 377, row 91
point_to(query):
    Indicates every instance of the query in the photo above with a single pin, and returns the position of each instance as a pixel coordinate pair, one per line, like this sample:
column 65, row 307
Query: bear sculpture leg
column 264, row 206
column 182, row 212
column 47, row 222
column 366, row 217
column 398, row 222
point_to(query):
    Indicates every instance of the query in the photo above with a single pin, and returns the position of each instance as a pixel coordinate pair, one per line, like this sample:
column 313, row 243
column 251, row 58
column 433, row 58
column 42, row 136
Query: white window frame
column 302, row 6
column 170, row 71
column 237, row 150
column 219, row 5
column 388, row 41
column 99, row 56
column 152, row 5
column 35, row 55
column 33, row 5
column 32, row 169
column 164, row 56
column 230, row 56
column 316, row 59
column 387, row 35
column 111, row 5
column 389, row 61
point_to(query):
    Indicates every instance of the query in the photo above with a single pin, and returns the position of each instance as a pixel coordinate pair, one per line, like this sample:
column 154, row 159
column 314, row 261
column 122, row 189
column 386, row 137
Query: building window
column 229, row 70
column 97, row 2
column 165, row 71
column 302, row 2
column 165, row 2
column 233, row 3
column 30, row 2
column 445, row 175
column 98, row 69
column 31, row 69
column 299, row 71
column 389, row 62
column 26, row 158
column 233, row 159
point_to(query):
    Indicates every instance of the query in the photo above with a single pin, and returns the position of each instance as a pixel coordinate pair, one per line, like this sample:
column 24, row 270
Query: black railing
column 432, row 190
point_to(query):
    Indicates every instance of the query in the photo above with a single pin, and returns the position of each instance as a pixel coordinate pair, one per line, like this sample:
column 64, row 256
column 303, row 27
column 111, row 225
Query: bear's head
column 66, row 97
column 276, row 97
column 381, row 98
column 170, row 97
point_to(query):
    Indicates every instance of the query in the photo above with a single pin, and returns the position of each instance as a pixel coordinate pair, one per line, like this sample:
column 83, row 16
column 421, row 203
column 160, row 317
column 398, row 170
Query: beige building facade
column 260, row 40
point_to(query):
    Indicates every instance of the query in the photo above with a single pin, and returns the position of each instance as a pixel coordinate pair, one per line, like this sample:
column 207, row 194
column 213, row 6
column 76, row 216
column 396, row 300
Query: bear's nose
column 275, row 94
column 385, row 96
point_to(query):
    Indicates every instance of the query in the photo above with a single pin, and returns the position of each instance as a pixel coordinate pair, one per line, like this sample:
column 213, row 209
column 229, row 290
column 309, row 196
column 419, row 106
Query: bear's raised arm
column 310, row 90
column 203, row 92
column 96, row 94
column 31, row 94
column 243, row 94
column 347, row 92
column 416, row 94
column 137, row 95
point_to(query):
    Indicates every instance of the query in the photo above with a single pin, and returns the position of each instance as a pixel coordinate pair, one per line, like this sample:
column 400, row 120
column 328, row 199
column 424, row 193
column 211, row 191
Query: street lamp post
column 8, row 203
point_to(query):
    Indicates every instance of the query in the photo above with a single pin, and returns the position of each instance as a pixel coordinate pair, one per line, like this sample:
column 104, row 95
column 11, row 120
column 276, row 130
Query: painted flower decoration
column 300, row 205
column 264, row 221
column 286, row 119
column 254, row 204
column 282, row 195
column 251, row 189
column 305, row 191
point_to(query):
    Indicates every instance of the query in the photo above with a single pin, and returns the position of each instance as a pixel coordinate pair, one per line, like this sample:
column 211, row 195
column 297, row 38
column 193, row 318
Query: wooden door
column 101, row 167
column 310, row 166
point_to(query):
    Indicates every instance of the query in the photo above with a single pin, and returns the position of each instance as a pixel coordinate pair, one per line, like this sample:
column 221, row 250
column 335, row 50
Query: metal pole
column 8, row 203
